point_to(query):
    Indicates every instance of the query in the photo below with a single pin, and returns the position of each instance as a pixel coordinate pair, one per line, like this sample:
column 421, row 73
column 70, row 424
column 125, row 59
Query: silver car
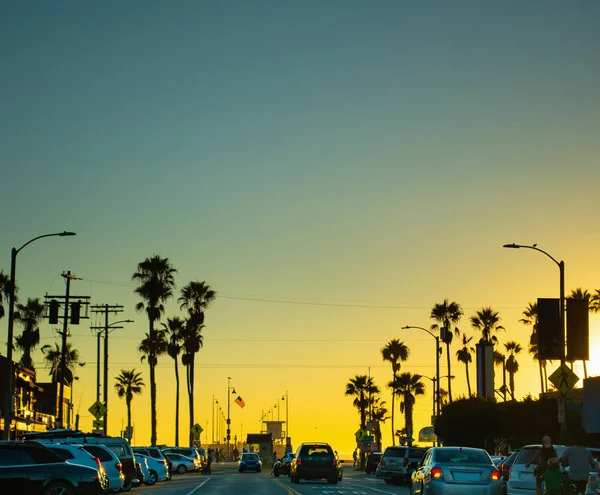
column 456, row 471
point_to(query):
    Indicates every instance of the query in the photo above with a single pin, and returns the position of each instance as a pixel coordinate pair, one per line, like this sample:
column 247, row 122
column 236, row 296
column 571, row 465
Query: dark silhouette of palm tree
column 29, row 315
column 378, row 416
column 530, row 318
column 408, row 386
column 53, row 357
column 512, row 366
column 395, row 352
column 4, row 291
column 362, row 388
column 580, row 293
column 464, row 355
column 595, row 302
column 174, row 330
column 486, row 320
column 127, row 384
column 446, row 314
column 155, row 276
column 500, row 360
column 195, row 298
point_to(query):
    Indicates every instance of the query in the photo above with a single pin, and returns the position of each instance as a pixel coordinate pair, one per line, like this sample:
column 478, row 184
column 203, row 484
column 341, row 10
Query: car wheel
column 152, row 479
column 389, row 482
column 59, row 488
column 340, row 476
column 276, row 474
column 333, row 481
column 258, row 470
column 127, row 485
column 181, row 469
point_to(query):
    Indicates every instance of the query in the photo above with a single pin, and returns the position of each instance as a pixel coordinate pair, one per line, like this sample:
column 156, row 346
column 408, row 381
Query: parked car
column 398, row 463
column 249, row 461
column 521, row 480
column 504, row 468
column 75, row 454
column 372, row 461
column 282, row 466
column 315, row 461
column 181, row 463
column 111, row 464
column 140, row 472
column 156, row 454
column 190, row 452
column 32, row 469
column 452, row 470
column 157, row 468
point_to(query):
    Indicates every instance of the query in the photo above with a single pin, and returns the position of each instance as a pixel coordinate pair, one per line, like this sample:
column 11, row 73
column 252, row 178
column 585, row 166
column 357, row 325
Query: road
column 225, row 480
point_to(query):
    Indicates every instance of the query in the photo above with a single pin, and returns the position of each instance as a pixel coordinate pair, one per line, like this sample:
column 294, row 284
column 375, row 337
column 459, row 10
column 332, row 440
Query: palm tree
column 595, row 302
column 126, row 384
column 580, row 293
column 195, row 298
column 464, row 355
column 155, row 276
column 362, row 388
column 446, row 314
column 395, row 352
column 53, row 358
column 174, row 329
column 530, row 317
column 487, row 320
column 378, row 416
column 4, row 291
column 29, row 315
column 408, row 386
column 500, row 360
column 512, row 366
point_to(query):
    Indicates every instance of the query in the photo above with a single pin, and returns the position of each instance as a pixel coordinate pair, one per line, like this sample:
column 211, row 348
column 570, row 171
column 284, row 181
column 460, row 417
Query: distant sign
column 97, row 409
column 563, row 378
column 360, row 435
column 97, row 424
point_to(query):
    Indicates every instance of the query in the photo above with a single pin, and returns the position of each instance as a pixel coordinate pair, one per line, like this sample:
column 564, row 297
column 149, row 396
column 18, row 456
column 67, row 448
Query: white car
column 75, row 454
column 181, row 464
column 111, row 463
column 157, row 469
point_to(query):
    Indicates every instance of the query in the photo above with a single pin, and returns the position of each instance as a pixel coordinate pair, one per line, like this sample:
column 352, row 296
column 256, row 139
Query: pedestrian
column 273, row 458
column 580, row 462
column 209, row 458
column 552, row 477
column 540, row 459
column 355, row 456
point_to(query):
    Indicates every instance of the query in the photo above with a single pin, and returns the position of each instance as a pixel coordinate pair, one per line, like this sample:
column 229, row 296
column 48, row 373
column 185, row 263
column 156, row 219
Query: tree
column 500, row 360
column 378, row 416
column 155, row 276
column 4, row 291
column 464, row 355
column 394, row 352
column 53, row 357
column 362, row 388
column 29, row 315
column 446, row 314
column 486, row 320
column 530, row 318
column 195, row 298
column 174, row 330
column 580, row 293
column 408, row 386
column 512, row 366
column 126, row 384
column 595, row 302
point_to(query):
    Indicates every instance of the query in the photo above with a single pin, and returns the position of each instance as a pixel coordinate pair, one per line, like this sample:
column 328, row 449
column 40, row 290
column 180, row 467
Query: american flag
column 239, row 401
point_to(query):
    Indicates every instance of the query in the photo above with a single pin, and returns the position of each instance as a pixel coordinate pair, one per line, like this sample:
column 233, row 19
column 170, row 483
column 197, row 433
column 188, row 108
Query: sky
column 331, row 169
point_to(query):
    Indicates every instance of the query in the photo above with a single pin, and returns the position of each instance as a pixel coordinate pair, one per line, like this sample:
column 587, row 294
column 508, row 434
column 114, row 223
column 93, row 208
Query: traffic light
column 551, row 337
column 75, row 312
column 53, row 312
column 578, row 330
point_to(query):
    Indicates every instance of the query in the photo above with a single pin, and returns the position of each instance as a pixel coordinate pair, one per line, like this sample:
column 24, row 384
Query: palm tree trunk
column 449, row 370
column 176, row 403
column 409, row 419
column 468, row 379
column 585, row 370
column 545, row 376
column 393, row 402
column 541, row 375
column 190, row 375
column 129, row 419
column 151, row 361
column 511, row 384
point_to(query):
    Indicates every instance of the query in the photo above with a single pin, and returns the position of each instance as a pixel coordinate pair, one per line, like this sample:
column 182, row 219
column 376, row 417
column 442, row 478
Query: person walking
column 580, row 462
column 540, row 459
column 209, row 459
column 355, row 456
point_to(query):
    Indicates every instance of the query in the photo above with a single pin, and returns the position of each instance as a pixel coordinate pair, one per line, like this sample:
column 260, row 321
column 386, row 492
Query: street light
column 434, row 380
column 230, row 392
column 437, row 363
column 8, row 402
column 287, row 402
column 561, row 268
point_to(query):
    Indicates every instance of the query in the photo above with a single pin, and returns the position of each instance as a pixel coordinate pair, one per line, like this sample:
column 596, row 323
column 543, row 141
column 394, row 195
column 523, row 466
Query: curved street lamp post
column 8, row 400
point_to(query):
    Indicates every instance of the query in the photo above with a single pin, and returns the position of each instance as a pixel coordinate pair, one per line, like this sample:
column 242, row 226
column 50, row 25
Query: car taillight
column 298, row 462
column 335, row 462
column 381, row 460
column 495, row 475
column 120, row 467
column 437, row 473
column 161, row 462
column 98, row 463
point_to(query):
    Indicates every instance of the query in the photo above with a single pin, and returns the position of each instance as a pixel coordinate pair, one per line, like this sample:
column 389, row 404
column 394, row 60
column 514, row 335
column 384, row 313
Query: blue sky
column 376, row 152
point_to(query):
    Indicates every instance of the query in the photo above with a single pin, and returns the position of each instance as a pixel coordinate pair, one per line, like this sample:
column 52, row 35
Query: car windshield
column 460, row 456
column 250, row 457
column 395, row 452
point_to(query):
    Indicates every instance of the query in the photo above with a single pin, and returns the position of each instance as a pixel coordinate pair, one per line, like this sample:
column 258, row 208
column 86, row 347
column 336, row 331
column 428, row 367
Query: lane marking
column 199, row 486
column 289, row 490
column 374, row 489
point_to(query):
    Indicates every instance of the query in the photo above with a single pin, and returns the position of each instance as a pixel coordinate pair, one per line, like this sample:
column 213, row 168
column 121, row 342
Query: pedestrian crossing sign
column 563, row 378
column 97, row 409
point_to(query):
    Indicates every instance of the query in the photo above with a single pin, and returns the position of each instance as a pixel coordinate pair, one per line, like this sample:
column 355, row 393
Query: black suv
column 372, row 461
column 315, row 461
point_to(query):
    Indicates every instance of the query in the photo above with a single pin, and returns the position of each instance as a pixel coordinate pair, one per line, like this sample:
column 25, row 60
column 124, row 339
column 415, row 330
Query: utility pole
column 104, row 309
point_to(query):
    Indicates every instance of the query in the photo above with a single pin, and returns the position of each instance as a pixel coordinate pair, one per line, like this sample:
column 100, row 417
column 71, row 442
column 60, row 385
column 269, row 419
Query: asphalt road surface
column 225, row 480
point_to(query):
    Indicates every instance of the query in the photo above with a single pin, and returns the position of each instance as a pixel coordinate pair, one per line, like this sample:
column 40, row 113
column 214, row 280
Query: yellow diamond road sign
column 97, row 409
column 563, row 378
column 360, row 435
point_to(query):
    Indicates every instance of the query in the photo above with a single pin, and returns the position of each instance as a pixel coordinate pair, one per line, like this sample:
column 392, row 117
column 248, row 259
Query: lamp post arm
column 65, row 233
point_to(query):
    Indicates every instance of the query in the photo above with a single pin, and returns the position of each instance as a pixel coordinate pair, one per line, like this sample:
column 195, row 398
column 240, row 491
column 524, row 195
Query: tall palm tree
column 580, row 293
column 195, row 298
column 155, row 276
column 126, row 384
column 512, row 366
column 486, row 320
column 500, row 360
column 362, row 388
column 29, row 315
column 464, row 355
column 595, row 302
column 4, row 291
column 174, row 330
column 446, row 314
column 53, row 358
column 395, row 352
column 378, row 416
column 530, row 318
column 409, row 386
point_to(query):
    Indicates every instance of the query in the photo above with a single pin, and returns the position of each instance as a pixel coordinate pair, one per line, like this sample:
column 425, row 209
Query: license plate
column 466, row 475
